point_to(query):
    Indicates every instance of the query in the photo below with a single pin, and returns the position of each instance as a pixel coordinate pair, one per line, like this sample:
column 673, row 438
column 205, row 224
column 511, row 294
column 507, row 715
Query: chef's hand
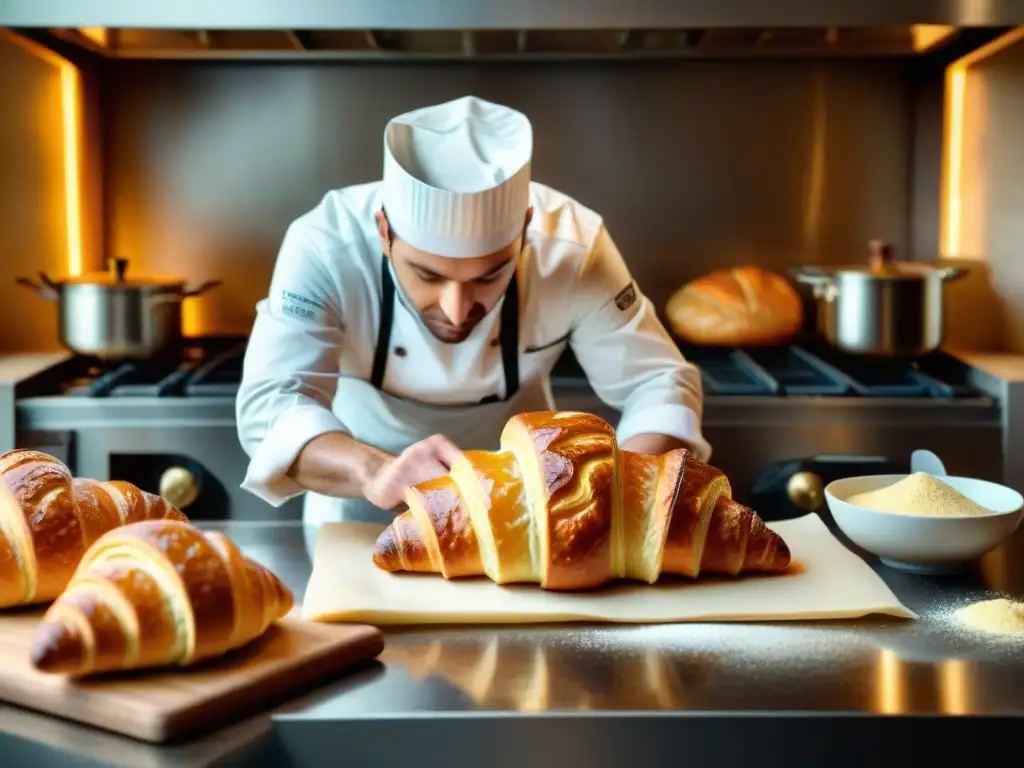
column 418, row 463
column 654, row 445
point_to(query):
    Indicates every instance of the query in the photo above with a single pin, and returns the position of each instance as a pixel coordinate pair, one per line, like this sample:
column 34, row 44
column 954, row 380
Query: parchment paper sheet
column 826, row 581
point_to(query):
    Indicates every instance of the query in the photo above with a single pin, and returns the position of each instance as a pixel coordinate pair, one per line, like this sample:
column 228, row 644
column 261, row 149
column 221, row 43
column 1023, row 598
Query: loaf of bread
column 745, row 306
column 563, row 506
column 49, row 518
column 155, row 594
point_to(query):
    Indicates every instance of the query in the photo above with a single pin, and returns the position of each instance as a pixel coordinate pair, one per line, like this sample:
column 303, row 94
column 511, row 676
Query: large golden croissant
column 154, row 594
column 561, row 505
column 49, row 518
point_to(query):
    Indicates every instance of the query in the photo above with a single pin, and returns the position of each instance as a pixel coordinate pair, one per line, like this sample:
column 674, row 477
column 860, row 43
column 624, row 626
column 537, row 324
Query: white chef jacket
column 319, row 323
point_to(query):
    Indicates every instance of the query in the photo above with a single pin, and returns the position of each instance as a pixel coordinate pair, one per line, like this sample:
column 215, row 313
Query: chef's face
column 451, row 295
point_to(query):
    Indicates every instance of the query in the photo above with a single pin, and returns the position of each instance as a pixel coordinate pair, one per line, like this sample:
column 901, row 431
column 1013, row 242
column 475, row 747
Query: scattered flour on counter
column 998, row 616
column 743, row 644
column 919, row 494
column 972, row 624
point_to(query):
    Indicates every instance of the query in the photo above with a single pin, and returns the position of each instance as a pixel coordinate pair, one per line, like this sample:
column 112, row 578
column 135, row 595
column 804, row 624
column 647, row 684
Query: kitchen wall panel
column 32, row 210
column 695, row 164
column 993, row 189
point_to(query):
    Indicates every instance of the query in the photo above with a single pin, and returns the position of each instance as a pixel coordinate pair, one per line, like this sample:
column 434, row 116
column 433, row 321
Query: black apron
column 509, row 335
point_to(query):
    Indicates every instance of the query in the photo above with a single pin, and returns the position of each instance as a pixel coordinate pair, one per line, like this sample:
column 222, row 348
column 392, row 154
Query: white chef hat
column 457, row 176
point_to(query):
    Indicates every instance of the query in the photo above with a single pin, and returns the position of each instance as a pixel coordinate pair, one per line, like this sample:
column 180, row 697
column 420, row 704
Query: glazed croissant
column 154, row 594
column 49, row 518
column 561, row 505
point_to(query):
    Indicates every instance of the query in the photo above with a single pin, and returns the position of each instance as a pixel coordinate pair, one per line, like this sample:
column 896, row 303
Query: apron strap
column 509, row 337
column 387, row 318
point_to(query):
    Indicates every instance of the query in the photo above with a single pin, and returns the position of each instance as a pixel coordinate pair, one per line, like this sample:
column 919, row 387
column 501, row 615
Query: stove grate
column 801, row 373
column 221, row 376
column 824, row 372
column 212, row 367
column 205, row 367
column 732, row 372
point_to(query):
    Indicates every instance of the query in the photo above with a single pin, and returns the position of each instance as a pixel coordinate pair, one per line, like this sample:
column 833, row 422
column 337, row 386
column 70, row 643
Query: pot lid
column 895, row 270
column 880, row 264
column 116, row 276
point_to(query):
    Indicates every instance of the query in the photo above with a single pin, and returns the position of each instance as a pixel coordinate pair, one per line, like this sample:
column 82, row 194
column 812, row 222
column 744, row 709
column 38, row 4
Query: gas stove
column 204, row 367
column 212, row 367
column 813, row 370
column 769, row 413
column 168, row 425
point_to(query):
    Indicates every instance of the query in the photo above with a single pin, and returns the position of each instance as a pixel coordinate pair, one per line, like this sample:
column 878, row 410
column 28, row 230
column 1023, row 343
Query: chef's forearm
column 652, row 444
column 336, row 464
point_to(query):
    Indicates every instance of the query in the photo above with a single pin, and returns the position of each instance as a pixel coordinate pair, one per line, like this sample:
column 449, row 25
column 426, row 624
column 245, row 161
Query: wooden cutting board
column 163, row 705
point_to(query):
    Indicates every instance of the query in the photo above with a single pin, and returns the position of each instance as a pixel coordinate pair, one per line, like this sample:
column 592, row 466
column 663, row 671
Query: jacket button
column 400, row 351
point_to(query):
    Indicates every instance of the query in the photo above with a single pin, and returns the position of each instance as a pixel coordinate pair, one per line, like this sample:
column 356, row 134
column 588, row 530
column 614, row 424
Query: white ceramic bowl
column 926, row 544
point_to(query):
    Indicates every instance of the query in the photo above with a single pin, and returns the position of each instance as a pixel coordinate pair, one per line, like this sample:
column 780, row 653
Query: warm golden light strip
column 889, row 685
column 816, row 187
column 98, row 35
column 927, row 36
column 70, row 92
column 955, row 691
column 71, row 113
column 956, row 79
column 951, row 222
column 191, row 318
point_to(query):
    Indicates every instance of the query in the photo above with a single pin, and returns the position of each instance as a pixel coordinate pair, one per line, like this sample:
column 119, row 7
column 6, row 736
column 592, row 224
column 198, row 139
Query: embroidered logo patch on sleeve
column 300, row 306
column 626, row 297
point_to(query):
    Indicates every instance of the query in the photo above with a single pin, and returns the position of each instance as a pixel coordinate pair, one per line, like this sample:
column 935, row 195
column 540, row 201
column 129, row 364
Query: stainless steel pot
column 109, row 315
column 882, row 308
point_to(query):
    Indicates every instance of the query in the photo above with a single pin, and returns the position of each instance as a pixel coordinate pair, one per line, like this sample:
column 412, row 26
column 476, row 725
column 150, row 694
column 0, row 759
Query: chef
column 410, row 318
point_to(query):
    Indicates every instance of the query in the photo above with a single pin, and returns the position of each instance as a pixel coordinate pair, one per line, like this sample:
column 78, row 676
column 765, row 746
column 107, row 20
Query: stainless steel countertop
column 636, row 675
column 872, row 665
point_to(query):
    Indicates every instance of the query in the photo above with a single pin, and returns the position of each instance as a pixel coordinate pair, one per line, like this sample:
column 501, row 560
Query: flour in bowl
column 919, row 494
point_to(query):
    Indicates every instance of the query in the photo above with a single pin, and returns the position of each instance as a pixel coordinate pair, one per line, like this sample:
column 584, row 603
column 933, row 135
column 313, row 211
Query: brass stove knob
column 179, row 486
column 806, row 490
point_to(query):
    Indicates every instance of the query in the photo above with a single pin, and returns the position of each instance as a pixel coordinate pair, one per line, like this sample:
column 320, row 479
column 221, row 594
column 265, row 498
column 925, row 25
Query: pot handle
column 46, row 291
column 815, row 276
column 810, row 275
column 949, row 274
column 823, row 283
column 203, row 288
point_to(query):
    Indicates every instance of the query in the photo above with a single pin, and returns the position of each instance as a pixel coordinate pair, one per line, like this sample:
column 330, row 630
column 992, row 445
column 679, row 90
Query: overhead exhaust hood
column 545, row 43
column 504, row 14
column 506, row 28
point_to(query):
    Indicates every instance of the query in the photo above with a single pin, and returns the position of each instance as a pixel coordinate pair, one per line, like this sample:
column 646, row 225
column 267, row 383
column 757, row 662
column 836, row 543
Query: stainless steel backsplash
column 695, row 165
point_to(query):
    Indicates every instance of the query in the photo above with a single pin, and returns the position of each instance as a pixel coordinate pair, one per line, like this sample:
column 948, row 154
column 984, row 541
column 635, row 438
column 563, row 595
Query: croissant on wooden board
column 154, row 594
column 49, row 518
column 563, row 506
